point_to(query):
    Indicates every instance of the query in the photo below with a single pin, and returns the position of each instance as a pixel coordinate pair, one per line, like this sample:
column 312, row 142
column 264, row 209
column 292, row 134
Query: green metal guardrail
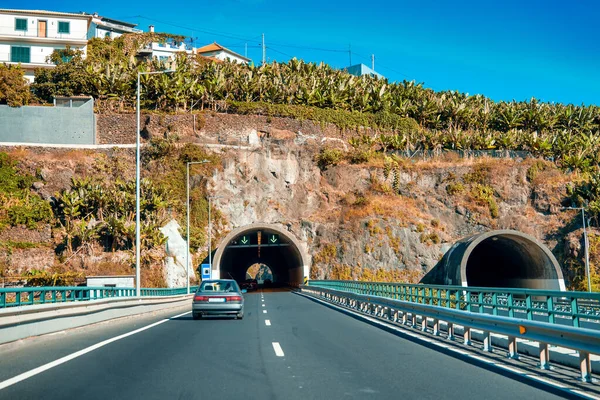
column 556, row 307
column 14, row 297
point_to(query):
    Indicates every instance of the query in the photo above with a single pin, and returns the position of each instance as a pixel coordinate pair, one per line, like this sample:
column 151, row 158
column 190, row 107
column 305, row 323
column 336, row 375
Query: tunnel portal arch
column 502, row 258
column 270, row 244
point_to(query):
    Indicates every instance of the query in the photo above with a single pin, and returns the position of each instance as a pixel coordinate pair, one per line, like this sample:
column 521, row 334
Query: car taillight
column 200, row 298
column 235, row 298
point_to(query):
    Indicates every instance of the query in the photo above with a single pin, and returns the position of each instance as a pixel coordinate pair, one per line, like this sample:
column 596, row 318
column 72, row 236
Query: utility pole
column 373, row 62
column 350, row 54
column 587, row 251
column 246, row 50
column 264, row 50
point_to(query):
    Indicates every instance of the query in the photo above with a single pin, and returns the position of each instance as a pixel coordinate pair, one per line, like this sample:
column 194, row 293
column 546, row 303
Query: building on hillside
column 103, row 27
column 362, row 69
column 215, row 50
column 28, row 37
column 165, row 51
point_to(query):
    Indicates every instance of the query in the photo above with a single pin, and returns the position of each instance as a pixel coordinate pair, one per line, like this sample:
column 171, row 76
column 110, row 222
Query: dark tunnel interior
column 510, row 261
column 266, row 247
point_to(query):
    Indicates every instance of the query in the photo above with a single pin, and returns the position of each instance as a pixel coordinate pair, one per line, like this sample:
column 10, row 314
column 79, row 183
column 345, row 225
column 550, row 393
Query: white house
column 165, row 51
column 103, row 27
column 219, row 52
column 28, row 37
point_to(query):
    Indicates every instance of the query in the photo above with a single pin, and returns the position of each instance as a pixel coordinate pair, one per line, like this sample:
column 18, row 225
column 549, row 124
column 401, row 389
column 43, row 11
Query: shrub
column 14, row 88
column 455, row 188
column 328, row 157
column 484, row 194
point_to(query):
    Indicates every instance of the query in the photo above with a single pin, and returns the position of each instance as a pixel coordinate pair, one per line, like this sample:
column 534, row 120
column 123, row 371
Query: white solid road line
column 264, row 311
column 278, row 350
column 267, row 322
column 62, row 360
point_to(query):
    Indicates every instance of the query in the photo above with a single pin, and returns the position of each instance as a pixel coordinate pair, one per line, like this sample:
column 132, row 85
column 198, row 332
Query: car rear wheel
column 196, row 316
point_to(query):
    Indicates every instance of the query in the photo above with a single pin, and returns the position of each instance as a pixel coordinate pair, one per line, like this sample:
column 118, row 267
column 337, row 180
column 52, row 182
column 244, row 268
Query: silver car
column 218, row 297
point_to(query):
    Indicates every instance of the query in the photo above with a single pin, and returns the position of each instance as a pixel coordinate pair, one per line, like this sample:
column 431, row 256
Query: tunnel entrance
column 510, row 260
column 264, row 244
column 502, row 259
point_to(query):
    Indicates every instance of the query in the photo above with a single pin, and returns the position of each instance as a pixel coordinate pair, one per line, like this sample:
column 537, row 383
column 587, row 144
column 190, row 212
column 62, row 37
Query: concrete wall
column 125, row 281
column 54, row 125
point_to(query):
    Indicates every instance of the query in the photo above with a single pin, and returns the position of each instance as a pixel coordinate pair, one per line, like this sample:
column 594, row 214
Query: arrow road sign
column 244, row 240
column 273, row 239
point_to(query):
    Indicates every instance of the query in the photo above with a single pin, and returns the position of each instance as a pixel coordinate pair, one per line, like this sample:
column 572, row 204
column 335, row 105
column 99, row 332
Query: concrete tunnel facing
column 503, row 258
column 268, row 244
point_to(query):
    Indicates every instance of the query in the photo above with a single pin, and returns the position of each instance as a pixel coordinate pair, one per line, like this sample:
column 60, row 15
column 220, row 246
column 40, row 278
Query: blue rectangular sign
column 205, row 271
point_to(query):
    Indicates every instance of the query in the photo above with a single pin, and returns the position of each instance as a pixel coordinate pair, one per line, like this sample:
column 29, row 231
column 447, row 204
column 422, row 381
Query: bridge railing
column 576, row 309
column 432, row 317
column 15, row 297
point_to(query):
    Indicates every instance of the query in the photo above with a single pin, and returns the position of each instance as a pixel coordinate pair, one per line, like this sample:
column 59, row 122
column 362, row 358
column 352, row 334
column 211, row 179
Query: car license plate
column 216, row 300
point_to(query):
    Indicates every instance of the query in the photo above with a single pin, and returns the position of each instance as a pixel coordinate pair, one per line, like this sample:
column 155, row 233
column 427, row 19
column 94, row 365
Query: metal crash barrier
column 413, row 304
column 16, row 297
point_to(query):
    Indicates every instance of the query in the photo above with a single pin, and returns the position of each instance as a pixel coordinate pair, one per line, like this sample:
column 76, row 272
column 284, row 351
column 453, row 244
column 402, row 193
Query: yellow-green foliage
column 455, row 188
column 537, row 167
column 327, row 254
column 341, row 118
column 430, row 238
column 18, row 205
column 485, row 194
column 329, row 157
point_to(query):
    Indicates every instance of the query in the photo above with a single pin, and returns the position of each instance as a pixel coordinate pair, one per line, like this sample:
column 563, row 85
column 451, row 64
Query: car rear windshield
column 218, row 286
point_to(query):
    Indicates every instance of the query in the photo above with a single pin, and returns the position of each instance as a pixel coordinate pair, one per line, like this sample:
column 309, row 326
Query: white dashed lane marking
column 267, row 322
column 278, row 350
column 264, row 311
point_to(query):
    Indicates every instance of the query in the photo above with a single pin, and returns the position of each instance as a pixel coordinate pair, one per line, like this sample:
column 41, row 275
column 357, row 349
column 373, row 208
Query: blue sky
column 505, row 49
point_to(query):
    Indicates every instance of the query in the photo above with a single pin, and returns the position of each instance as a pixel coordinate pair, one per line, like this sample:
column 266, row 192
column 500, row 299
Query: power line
column 195, row 29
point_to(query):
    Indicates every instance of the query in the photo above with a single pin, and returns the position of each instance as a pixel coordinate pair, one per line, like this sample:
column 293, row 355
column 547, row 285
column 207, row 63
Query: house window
column 64, row 27
column 20, row 24
column 20, row 54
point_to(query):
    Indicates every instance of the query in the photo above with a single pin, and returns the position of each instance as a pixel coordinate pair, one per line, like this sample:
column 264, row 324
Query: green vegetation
column 537, row 167
column 484, row 194
column 329, row 157
column 455, row 188
column 586, row 193
column 14, row 88
column 418, row 118
column 17, row 204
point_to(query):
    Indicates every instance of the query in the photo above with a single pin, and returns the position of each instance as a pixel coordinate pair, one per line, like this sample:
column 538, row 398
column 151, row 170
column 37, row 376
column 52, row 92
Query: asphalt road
column 322, row 354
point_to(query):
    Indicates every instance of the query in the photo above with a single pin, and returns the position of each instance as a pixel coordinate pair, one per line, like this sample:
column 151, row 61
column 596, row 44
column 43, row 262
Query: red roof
column 217, row 47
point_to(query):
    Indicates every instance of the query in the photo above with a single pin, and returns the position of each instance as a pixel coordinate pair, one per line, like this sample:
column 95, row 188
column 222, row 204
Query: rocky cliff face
column 370, row 220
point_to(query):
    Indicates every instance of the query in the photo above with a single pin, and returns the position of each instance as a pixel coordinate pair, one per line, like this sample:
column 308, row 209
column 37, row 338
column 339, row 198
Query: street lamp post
column 137, row 180
column 187, row 255
column 585, row 245
column 210, row 233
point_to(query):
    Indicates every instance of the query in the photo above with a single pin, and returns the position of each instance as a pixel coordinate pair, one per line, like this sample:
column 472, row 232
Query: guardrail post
column 585, row 366
column 512, row 348
column 436, row 327
column 574, row 312
column 487, row 341
column 467, row 336
column 450, row 331
column 424, row 324
column 544, row 356
column 404, row 318
column 413, row 320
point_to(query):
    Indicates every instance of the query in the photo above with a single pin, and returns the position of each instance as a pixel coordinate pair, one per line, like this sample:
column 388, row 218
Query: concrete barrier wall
column 27, row 321
column 54, row 125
